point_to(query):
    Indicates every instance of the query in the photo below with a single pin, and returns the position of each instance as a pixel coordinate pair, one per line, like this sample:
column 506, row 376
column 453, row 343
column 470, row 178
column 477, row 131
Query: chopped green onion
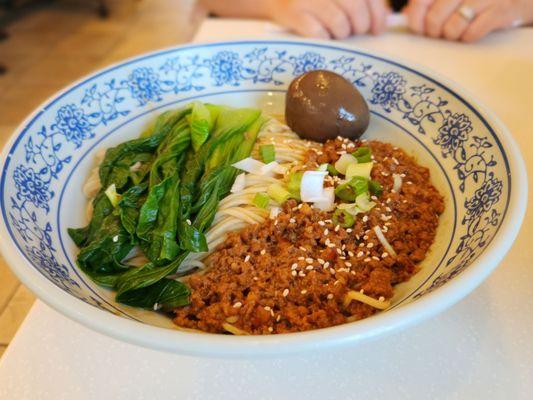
column 342, row 163
column 278, row 193
column 359, row 185
column 332, row 171
column 323, row 167
column 112, row 195
column 363, row 154
column 348, row 191
column 345, row 192
column 364, row 203
column 362, row 170
column 261, row 200
column 350, row 208
column 295, row 181
column 375, row 188
column 268, row 153
column 343, row 218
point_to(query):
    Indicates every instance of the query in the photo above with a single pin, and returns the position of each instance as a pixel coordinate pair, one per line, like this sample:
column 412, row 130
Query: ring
column 467, row 13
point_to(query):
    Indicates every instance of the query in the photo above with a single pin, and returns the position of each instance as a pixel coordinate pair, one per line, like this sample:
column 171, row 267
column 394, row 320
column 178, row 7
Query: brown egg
column 322, row 105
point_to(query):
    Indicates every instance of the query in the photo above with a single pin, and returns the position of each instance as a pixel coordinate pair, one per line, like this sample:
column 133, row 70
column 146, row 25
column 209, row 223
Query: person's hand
column 466, row 20
column 326, row 19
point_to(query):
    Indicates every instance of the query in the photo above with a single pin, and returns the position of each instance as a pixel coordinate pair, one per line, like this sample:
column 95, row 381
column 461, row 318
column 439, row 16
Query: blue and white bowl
column 472, row 157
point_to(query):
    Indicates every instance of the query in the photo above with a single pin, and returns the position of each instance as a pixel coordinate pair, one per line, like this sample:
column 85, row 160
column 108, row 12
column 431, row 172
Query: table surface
column 480, row 348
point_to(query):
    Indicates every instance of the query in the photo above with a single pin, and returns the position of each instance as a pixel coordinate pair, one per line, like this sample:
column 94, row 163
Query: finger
column 457, row 24
column 361, row 17
column 437, row 15
column 378, row 15
column 333, row 18
column 416, row 14
column 455, row 27
column 487, row 21
column 309, row 26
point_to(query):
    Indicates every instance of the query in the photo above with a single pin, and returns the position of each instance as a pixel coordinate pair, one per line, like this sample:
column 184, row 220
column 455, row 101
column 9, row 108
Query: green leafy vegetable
column 161, row 192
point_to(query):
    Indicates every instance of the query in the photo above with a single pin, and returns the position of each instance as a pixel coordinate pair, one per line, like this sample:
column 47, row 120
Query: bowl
column 472, row 157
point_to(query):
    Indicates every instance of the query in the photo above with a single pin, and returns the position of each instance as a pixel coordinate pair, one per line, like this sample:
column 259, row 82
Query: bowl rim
column 188, row 343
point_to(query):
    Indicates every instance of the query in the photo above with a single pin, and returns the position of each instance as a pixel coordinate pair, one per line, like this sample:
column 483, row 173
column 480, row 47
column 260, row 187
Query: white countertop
column 482, row 348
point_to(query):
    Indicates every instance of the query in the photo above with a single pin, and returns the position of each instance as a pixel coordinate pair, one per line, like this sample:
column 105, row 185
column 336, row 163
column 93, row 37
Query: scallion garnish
column 343, row 218
column 363, row 154
column 261, row 200
column 268, row 153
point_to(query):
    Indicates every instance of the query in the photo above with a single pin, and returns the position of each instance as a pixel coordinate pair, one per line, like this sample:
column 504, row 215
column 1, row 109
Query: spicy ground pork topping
column 292, row 273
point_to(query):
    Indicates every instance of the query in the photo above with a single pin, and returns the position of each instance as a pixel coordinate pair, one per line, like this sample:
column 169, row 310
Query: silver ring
column 467, row 13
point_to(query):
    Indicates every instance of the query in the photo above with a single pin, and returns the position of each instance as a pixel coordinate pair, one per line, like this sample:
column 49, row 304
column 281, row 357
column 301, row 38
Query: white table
column 481, row 348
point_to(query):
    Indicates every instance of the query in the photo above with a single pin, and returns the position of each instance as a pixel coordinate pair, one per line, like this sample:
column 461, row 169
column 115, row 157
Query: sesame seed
column 267, row 308
column 403, row 175
column 247, row 258
column 388, row 200
column 303, row 248
column 320, row 261
column 336, row 282
column 362, row 291
column 262, row 252
column 303, row 291
column 292, row 220
column 301, row 258
column 361, row 245
column 348, row 264
column 327, row 242
column 237, row 305
column 339, row 251
column 395, row 161
column 278, row 317
column 326, row 231
column 321, row 223
column 332, row 271
column 368, row 259
column 328, row 221
column 331, row 245
column 409, row 182
column 375, row 258
column 388, row 209
column 374, row 198
column 326, row 264
column 360, row 254
column 301, row 273
column 294, row 266
column 270, row 329
column 309, row 267
column 381, row 298
column 385, row 255
column 337, row 228
column 294, row 273
column 365, row 237
column 285, row 292
column 256, row 278
column 115, row 238
column 370, row 245
column 343, row 247
column 365, row 218
column 275, row 222
column 330, row 296
column 189, row 222
column 299, row 206
column 309, row 260
column 349, row 230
